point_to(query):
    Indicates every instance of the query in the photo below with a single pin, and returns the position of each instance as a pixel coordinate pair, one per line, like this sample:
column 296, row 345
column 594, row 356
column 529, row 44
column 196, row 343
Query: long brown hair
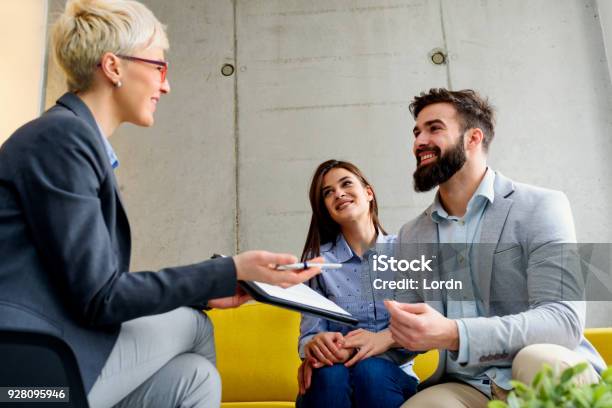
column 323, row 228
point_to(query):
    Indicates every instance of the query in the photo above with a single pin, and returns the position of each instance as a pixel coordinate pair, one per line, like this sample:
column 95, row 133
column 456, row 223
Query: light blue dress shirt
column 351, row 288
column 462, row 233
column 112, row 157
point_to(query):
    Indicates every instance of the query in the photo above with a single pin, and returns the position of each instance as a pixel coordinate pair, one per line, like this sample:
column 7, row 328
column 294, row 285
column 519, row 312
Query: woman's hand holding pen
column 260, row 266
column 367, row 344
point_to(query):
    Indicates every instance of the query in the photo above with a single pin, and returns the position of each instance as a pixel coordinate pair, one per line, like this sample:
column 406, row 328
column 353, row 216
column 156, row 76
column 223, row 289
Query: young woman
column 66, row 239
column 343, row 366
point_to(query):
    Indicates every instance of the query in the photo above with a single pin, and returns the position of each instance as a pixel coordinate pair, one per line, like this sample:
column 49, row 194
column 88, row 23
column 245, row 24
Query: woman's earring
column 118, row 84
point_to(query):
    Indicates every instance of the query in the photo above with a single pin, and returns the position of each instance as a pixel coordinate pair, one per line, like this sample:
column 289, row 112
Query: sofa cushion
column 257, row 353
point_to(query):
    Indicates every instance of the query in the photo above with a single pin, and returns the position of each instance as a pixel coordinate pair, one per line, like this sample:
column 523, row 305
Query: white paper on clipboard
column 301, row 294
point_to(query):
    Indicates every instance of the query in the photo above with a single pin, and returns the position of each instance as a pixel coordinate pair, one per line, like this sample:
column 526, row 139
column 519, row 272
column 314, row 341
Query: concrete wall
column 177, row 179
column 228, row 163
column 604, row 10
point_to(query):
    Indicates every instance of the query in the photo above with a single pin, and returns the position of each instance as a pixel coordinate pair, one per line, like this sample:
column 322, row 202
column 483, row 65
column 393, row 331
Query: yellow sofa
column 257, row 355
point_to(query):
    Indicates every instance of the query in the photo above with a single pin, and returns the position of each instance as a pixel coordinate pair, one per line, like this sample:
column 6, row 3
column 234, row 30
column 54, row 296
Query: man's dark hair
column 473, row 111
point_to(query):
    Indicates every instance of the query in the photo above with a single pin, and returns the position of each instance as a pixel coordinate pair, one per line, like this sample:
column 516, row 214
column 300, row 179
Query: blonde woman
column 65, row 238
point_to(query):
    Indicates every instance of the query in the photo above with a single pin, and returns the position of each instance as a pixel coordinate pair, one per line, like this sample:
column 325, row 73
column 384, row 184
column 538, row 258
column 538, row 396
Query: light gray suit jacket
column 528, row 276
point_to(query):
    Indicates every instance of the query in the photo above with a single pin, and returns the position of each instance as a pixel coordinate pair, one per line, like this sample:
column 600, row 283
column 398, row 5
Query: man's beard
column 443, row 168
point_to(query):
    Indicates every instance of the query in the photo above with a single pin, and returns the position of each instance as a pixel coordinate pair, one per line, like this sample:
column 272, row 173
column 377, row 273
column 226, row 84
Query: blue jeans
column 373, row 382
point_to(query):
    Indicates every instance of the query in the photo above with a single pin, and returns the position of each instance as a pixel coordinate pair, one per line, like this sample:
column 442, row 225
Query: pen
column 306, row 265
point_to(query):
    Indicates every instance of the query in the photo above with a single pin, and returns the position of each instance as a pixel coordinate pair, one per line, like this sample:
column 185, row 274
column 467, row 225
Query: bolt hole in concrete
column 437, row 56
column 227, row 69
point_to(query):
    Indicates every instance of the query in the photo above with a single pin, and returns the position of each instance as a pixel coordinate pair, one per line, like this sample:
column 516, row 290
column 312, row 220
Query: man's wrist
column 453, row 341
column 386, row 338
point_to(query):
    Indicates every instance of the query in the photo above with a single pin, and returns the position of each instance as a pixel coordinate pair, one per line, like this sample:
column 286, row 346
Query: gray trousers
column 165, row 361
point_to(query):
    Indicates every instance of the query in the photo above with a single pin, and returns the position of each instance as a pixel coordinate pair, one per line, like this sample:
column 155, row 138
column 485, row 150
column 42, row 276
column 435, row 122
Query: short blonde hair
column 89, row 28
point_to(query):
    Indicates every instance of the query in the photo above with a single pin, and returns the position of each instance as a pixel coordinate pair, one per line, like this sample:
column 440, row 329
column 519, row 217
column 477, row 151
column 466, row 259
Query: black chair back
column 33, row 359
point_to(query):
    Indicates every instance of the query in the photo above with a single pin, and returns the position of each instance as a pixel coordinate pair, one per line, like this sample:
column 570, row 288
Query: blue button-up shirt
column 462, row 233
column 351, row 288
column 112, row 157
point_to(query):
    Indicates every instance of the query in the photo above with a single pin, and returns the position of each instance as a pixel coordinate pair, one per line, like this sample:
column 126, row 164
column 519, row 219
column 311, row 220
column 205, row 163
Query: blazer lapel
column 76, row 105
column 117, row 194
column 492, row 226
column 424, row 241
column 424, row 231
column 428, row 230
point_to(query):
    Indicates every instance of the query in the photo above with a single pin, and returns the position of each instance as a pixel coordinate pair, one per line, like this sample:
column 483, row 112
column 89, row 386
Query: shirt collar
column 112, row 157
column 342, row 250
column 485, row 191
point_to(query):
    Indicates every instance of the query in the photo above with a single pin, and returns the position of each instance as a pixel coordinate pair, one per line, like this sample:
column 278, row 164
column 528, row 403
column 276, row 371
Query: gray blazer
column 526, row 276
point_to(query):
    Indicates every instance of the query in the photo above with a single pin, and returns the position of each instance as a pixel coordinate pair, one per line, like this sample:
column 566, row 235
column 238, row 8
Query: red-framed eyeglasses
column 162, row 65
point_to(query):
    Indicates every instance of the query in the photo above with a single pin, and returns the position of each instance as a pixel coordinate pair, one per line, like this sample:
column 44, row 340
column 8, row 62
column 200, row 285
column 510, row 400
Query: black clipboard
column 260, row 295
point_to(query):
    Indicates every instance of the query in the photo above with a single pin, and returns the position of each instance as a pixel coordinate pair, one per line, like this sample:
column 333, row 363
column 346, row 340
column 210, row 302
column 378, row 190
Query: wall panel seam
column 236, row 135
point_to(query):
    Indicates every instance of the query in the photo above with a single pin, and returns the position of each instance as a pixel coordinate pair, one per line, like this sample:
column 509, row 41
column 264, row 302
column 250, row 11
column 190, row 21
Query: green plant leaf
column 603, row 403
column 578, row 368
column 599, row 391
column 607, row 375
column 606, row 398
column 497, row 404
column 537, row 379
column 520, row 388
column 513, row 401
column 570, row 372
column 579, row 398
column 548, row 390
column 567, row 375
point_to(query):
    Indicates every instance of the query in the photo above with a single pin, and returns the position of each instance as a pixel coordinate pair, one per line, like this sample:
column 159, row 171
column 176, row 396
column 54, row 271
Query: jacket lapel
column 423, row 240
column 492, row 226
column 72, row 102
column 429, row 240
column 428, row 230
column 76, row 105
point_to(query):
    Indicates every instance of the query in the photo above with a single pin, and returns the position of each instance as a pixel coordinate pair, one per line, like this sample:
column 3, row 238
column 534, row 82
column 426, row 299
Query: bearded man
column 522, row 303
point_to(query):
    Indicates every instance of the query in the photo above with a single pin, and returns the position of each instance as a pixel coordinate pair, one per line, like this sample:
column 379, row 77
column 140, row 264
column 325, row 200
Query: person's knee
column 204, row 342
column 378, row 382
column 336, row 374
column 329, row 387
column 370, row 371
column 534, row 356
column 529, row 360
column 426, row 399
column 188, row 380
column 200, row 380
column 204, row 320
column 204, row 324
column 456, row 395
column 205, row 373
